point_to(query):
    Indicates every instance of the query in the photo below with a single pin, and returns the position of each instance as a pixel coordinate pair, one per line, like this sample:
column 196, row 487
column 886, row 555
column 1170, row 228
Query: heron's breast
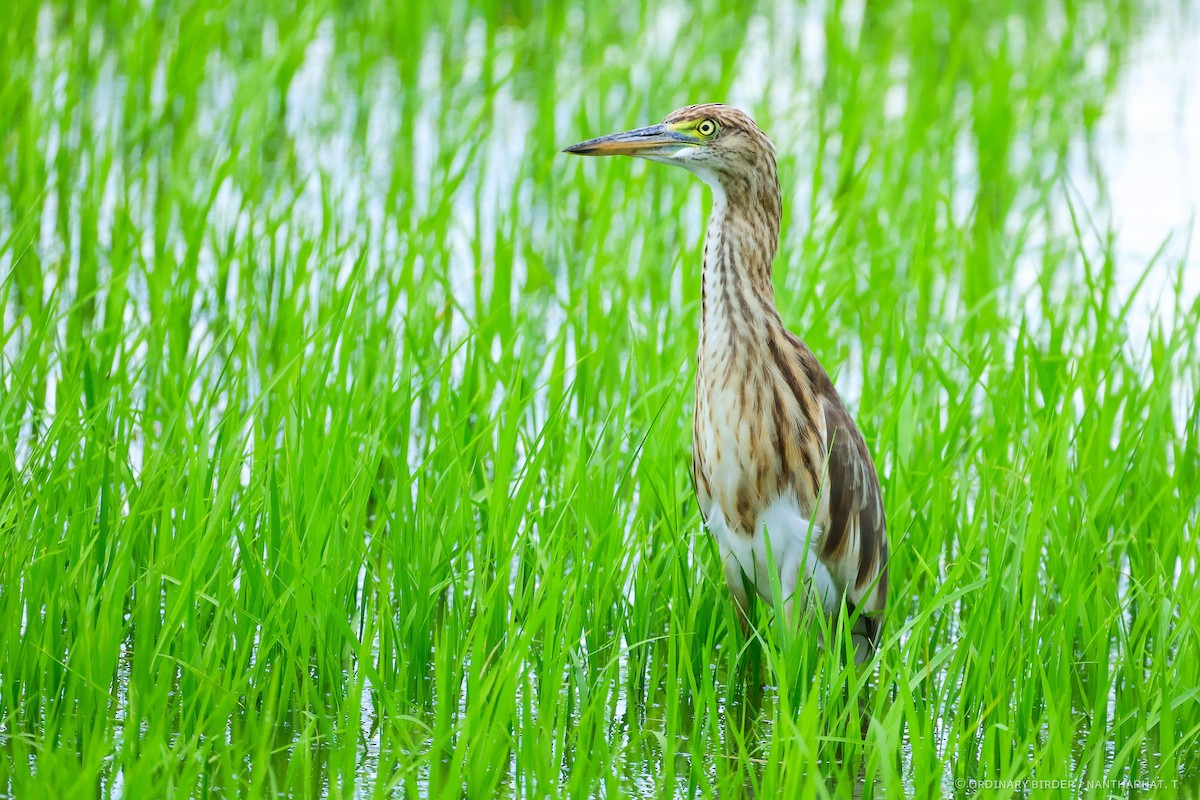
column 736, row 463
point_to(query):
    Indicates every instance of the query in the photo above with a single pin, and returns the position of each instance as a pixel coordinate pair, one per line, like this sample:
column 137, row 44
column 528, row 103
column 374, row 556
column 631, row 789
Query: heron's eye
column 706, row 127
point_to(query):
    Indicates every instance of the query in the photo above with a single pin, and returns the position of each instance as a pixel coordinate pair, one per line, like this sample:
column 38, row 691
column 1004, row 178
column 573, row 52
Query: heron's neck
column 743, row 235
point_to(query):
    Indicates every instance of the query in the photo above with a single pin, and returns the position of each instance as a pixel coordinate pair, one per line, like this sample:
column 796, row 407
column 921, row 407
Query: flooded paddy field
column 345, row 422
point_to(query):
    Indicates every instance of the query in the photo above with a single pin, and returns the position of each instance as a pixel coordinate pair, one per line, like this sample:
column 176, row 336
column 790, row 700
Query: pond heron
column 778, row 463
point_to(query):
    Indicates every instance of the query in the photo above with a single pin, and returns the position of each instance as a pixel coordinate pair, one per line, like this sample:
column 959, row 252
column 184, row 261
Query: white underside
column 802, row 577
column 793, row 543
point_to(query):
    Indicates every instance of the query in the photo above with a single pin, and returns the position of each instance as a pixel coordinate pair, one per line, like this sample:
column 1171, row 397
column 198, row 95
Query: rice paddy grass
column 345, row 423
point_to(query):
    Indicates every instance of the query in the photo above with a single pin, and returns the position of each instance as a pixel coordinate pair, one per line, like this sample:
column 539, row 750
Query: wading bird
column 777, row 460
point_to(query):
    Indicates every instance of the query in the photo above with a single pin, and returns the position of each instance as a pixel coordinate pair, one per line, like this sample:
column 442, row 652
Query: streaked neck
column 739, row 249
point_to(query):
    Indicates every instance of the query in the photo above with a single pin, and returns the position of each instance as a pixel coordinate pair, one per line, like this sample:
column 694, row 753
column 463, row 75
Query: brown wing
column 855, row 502
column 855, row 505
column 855, row 533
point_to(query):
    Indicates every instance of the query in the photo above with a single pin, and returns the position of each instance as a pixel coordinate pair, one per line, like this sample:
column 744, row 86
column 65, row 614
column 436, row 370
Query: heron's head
column 719, row 143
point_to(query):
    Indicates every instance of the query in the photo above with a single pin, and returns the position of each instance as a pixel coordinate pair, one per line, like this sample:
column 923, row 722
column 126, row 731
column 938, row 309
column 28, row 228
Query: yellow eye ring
column 706, row 127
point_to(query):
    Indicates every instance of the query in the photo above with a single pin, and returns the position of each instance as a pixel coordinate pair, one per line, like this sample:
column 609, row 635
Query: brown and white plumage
column 776, row 456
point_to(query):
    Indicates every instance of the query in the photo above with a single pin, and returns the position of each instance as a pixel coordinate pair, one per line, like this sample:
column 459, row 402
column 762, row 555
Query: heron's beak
column 655, row 140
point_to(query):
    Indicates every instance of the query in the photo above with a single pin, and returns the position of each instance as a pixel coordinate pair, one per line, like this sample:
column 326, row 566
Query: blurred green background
column 346, row 423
